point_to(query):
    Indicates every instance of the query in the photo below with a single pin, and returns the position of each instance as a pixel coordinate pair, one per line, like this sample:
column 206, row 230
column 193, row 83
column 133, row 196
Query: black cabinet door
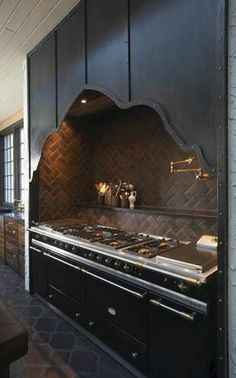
column 123, row 305
column 130, row 349
column 70, row 60
column 42, row 97
column 66, row 305
column 38, row 272
column 67, row 279
column 107, row 46
column 180, row 347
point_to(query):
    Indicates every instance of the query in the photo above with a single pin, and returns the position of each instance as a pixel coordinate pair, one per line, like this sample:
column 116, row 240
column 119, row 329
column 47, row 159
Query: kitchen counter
column 18, row 215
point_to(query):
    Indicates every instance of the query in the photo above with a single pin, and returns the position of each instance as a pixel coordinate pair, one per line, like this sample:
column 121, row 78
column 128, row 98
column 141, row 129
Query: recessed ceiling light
column 83, row 101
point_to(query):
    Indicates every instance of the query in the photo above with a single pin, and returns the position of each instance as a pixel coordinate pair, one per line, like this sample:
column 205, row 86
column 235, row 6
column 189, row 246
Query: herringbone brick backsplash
column 63, row 173
column 132, row 146
column 183, row 228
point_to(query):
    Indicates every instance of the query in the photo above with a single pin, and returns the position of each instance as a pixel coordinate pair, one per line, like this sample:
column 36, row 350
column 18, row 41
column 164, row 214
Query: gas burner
column 93, row 233
column 153, row 247
column 141, row 245
column 125, row 240
column 68, row 229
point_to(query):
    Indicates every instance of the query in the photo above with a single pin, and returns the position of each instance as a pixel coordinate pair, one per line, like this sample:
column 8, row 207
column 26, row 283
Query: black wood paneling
column 42, row 97
column 70, row 60
column 173, row 46
column 224, row 358
column 107, row 46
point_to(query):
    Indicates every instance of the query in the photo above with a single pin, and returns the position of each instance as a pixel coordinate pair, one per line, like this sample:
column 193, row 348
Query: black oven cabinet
column 117, row 315
column 66, row 289
column 38, row 273
column 136, row 52
column 123, row 316
column 180, row 347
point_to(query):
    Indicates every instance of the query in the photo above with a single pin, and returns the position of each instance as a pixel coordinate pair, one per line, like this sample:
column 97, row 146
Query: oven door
column 181, row 341
column 117, row 315
column 120, row 303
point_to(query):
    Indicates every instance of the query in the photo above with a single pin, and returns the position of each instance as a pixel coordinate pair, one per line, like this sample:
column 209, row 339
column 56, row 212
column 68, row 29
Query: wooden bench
column 13, row 340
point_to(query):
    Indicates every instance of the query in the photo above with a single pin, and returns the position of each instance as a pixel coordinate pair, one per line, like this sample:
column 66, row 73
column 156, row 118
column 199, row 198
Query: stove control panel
column 111, row 262
column 99, row 258
column 176, row 284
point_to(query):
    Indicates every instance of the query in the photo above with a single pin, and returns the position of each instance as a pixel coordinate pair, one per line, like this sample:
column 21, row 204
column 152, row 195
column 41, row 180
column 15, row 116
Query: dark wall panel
column 70, row 60
column 42, row 97
column 173, row 62
column 107, row 46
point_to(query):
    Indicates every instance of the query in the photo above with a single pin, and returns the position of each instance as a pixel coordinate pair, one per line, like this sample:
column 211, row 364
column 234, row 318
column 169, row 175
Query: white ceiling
column 23, row 24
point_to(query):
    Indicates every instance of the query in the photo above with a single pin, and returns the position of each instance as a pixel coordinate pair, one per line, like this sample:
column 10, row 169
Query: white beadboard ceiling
column 23, row 24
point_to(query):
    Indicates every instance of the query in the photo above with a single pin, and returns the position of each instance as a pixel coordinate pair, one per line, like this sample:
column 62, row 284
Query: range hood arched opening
column 98, row 141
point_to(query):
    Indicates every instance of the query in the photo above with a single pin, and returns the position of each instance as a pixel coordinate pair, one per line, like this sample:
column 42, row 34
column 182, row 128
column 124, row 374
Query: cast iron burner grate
column 92, row 233
column 125, row 240
column 154, row 247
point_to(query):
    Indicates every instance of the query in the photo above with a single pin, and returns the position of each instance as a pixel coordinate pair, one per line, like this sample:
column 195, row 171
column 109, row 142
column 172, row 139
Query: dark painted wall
column 42, row 97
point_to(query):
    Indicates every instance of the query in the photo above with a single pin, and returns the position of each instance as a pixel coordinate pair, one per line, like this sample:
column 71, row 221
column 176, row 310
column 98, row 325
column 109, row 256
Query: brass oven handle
column 36, row 249
column 185, row 315
column 135, row 293
column 62, row 261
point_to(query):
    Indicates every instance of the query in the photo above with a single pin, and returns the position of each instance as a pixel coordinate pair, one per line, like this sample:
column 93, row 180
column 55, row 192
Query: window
column 21, row 164
column 12, row 158
column 8, row 168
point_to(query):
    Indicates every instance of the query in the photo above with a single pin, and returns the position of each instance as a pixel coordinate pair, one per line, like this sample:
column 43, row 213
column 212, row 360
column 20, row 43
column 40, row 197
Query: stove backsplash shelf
column 200, row 214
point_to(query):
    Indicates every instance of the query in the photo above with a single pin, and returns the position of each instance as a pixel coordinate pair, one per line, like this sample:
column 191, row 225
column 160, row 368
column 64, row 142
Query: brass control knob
column 134, row 355
column 74, row 249
column 127, row 267
column 108, row 260
column 117, row 264
column 91, row 255
column 183, row 287
column 99, row 258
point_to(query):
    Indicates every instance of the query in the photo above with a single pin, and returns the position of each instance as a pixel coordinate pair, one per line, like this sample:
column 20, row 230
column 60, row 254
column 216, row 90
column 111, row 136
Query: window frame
column 15, row 129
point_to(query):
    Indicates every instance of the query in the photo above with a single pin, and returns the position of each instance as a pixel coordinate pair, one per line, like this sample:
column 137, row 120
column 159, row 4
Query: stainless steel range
column 108, row 280
column 125, row 252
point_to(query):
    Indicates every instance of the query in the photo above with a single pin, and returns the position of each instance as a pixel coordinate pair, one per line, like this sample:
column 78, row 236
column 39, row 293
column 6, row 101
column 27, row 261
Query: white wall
column 26, row 174
column 232, row 187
